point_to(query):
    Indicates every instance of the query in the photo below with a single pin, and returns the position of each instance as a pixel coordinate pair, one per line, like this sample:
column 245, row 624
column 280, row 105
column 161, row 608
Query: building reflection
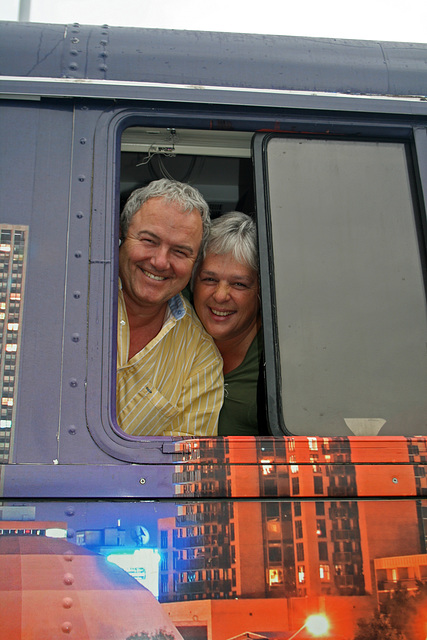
column 52, row 588
column 294, row 536
column 13, row 252
column 318, row 545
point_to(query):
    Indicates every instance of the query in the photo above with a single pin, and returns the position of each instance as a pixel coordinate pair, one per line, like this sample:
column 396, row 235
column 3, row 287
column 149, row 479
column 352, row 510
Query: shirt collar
column 177, row 306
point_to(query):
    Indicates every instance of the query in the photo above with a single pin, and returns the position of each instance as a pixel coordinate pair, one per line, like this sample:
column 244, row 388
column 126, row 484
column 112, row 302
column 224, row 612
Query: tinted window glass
column 348, row 286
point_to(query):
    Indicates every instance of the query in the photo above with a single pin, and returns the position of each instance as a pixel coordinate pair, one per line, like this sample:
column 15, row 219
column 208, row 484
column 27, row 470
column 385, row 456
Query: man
column 169, row 372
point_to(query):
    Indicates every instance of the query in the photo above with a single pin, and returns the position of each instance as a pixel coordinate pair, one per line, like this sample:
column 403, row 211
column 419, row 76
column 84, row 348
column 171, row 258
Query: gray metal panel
column 81, row 480
column 34, row 192
column 39, row 46
column 46, row 178
column 215, row 59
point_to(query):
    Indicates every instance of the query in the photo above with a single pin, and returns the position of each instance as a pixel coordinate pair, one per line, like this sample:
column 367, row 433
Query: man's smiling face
column 158, row 254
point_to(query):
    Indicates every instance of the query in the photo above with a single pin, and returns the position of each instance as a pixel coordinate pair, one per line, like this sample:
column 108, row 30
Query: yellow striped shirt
column 174, row 385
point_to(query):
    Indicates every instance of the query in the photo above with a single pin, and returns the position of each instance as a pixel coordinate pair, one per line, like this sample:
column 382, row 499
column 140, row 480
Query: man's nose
column 160, row 259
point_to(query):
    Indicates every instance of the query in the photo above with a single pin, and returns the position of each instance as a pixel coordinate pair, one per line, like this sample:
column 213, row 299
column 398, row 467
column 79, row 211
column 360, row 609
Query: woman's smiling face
column 226, row 297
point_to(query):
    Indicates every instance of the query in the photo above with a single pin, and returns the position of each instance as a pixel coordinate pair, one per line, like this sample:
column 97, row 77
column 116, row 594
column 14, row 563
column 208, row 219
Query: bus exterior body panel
column 306, row 521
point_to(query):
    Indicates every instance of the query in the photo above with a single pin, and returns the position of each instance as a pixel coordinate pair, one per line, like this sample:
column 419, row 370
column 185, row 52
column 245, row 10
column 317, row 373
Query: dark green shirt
column 239, row 413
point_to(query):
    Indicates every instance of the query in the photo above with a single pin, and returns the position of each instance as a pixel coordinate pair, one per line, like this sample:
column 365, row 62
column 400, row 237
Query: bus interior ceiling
column 218, row 163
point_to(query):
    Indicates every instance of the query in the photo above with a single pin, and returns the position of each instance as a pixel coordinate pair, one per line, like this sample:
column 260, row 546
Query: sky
column 362, row 20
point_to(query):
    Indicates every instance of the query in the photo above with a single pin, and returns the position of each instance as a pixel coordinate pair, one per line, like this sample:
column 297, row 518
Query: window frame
column 103, row 264
column 415, row 141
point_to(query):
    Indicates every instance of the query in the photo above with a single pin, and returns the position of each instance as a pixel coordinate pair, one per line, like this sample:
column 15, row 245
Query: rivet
column 74, row 52
column 69, row 511
column 67, row 603
column 75, row 40
column 75, row 337
column 68, row 578
column 72, row 430
column 66, row 627
column 73, row 66
column 395, row 480
column 73, row 383
column 82, row 178
column 83, row 140
column 103, row 54
column 68, row 557
column 76, row 295
column 103, row 67
column 78, row 254
column 103, row 42
column 142, row 481
column 79, row 215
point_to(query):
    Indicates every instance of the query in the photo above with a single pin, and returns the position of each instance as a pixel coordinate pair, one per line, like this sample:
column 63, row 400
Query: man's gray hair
column 234, row 233
column 184, row 195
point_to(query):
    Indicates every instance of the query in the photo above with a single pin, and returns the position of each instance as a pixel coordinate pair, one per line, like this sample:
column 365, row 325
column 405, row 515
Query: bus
column 317, row 529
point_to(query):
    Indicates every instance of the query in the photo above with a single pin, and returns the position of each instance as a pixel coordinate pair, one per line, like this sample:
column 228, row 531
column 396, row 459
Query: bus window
column 340, row 227
column 219, row 165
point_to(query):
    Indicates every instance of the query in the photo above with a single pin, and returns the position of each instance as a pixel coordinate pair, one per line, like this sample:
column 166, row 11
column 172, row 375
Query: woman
column 226, row 298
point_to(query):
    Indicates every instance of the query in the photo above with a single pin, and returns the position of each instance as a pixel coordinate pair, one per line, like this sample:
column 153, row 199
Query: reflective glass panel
column 349, row 287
